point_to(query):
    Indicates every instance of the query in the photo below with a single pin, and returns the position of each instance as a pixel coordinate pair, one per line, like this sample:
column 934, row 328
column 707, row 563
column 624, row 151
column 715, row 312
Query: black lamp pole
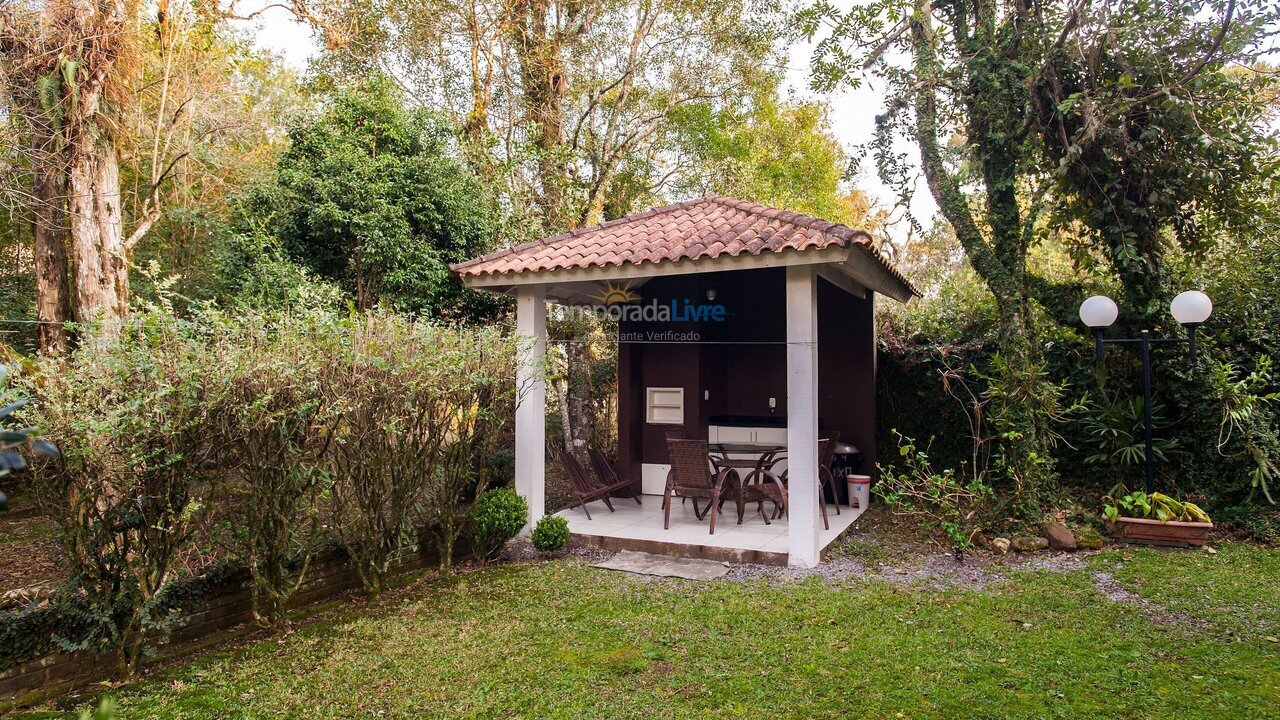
column 1146, row 341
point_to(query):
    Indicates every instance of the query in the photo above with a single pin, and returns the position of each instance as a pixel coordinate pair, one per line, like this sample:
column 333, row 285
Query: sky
column 852, row 111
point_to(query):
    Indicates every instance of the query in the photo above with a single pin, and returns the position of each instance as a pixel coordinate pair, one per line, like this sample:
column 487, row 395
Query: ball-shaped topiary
column 551, row 533
column 496, row 517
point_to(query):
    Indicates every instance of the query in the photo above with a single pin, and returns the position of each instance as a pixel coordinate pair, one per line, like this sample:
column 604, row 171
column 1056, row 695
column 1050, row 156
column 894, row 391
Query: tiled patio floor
column 639, row 527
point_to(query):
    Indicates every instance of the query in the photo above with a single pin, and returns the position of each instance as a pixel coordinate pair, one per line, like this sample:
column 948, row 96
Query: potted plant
column 1155, row 519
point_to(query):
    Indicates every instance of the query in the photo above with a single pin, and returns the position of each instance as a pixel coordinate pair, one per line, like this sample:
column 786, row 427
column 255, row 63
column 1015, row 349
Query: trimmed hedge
column 497, row 516
column 551, row 534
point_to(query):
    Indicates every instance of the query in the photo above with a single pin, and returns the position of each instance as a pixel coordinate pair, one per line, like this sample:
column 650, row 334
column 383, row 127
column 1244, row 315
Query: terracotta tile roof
column 707, row 227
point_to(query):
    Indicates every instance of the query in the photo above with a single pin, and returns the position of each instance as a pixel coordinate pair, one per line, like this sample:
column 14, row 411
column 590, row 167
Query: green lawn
column 1191, row 636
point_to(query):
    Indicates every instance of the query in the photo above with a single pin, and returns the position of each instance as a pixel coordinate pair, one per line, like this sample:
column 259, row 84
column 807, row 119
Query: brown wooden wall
column 742, row 362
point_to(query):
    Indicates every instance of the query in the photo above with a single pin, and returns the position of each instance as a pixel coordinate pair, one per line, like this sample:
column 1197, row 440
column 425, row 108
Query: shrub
column 1115, row 431
column 252, row 271
column 134, row 422
column 251, row 440
column 946, row 500
column 497, row 516
column 277, row 424
column 424, row 406
column 551, row 533
column 501, row 466
column 479, row 396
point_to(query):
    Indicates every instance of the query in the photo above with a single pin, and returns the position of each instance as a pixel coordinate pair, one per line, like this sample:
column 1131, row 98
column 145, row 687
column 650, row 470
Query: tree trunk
column 49, row 232
column 566, row 415
column 996, row 244
column 542, row 82
column 98, row 255
column 578, row 385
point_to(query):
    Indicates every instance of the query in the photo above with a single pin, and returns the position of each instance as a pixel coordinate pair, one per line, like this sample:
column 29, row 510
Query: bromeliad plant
column 1155, row 506
column 1114, row 428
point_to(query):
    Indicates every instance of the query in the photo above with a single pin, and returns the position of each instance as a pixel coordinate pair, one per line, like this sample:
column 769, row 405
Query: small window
column 664, row 406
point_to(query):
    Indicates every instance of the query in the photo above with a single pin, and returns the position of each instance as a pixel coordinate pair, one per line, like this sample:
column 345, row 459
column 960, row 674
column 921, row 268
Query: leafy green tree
column 959, row 92
column 369, row 195
column 1156, row 117
column 1014, row 109
column 566, row 107
column 780, row 153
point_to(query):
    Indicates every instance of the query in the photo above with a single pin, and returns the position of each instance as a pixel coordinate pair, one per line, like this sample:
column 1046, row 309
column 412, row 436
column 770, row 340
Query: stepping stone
column 641, row 563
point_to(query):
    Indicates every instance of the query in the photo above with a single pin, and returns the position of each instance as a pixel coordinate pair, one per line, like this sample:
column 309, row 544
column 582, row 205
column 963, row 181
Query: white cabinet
column 771, row 436
column 730, row 434
column 747, row 435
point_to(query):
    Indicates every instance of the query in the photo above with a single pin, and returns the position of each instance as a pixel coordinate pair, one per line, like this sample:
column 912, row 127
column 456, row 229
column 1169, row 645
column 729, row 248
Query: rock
column 1000, row 545
column 1088, row 539
column 1029, row 544
column 1059, row 537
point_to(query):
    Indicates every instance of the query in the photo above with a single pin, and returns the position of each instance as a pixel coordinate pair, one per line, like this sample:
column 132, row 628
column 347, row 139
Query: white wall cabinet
column 664, row 406
column 747, row 435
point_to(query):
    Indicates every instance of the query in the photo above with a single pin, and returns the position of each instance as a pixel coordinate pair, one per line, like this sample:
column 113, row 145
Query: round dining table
column 762, row 457
column 755, row 472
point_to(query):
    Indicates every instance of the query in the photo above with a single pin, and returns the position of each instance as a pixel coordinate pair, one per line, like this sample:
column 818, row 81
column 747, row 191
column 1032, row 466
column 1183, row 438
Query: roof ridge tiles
column 724, row 226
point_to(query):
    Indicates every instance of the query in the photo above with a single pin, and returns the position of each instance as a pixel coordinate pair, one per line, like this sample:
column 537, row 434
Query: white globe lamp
column 1191, row 307
column 1099, row 312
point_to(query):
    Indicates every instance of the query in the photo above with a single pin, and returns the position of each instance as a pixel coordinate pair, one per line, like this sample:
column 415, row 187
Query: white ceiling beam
column 836, row 275
column 866, row 271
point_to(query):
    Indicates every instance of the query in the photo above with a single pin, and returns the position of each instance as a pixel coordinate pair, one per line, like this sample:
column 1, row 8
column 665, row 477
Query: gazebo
column 736, row 322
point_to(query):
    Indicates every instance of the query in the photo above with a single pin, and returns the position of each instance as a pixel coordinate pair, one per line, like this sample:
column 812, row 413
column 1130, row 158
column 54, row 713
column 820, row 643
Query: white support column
column 531, row 409
column 802, row 415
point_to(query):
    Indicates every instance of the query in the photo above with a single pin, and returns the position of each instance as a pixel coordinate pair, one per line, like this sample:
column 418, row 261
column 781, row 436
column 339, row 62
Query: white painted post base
column 531, row 407
column 802, row 416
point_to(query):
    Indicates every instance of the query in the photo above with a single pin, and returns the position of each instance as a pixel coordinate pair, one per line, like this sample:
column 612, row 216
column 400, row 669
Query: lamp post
column 1190, row 309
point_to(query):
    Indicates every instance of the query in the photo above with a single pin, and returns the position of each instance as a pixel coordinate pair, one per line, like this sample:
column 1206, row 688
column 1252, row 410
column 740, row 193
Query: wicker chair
column 676, row 433
column 762, row 485
column 826, row 453
column 609, row 477
column 692, row 476
column 587, row 489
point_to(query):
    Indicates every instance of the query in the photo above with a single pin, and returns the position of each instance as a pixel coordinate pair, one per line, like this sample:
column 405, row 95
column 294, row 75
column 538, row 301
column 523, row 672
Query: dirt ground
column 882, row 546
column 29, row 555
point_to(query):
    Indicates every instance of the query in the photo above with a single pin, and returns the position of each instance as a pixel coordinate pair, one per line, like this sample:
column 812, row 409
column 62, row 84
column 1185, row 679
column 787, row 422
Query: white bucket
column 859, row 491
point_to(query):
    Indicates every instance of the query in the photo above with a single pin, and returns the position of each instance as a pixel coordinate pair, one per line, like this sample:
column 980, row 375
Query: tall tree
column 773, row 151
column 959, row 93
column 80, row 54
column 36, row 191
column 984, row 87
column 1158, row 123
column 369, row 194
column 113, row 99
column 563, row 101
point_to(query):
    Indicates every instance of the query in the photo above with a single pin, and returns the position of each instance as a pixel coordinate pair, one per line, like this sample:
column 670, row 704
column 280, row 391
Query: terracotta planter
column 1154, row 532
